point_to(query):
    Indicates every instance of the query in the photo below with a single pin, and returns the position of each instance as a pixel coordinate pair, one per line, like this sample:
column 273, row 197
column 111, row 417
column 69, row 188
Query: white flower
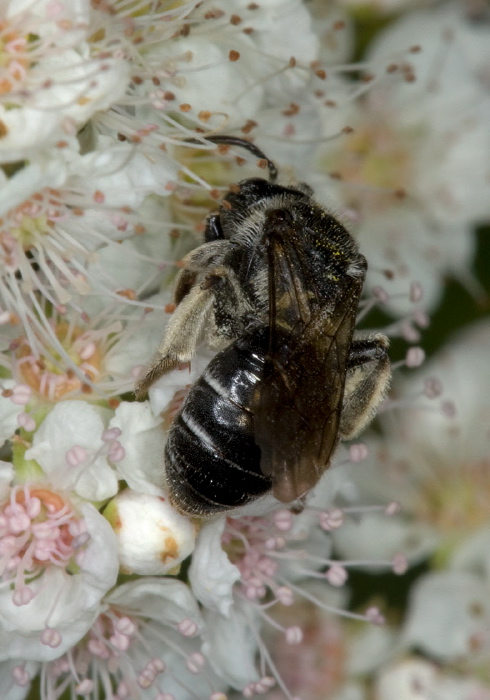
column 51, row 605
column 152, row 538
column 246, row 568
column 75, row 453
column 413, row 173
column 453, row 115
column 466, row 30
column 73, row 356
column 233, row 63
column 52, row 82
column 144, row 644
column 57, row 212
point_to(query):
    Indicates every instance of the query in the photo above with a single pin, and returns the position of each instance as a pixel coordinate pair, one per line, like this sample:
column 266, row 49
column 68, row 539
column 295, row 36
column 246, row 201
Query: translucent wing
column 298, row 403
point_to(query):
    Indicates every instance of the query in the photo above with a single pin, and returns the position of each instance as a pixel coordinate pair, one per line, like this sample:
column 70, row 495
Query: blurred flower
column 433, row 461
column 412, row 170
column 414, row 678
column 330, row 657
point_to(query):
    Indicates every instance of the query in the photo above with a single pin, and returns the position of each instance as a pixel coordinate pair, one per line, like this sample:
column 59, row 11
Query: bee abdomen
column 212, row 462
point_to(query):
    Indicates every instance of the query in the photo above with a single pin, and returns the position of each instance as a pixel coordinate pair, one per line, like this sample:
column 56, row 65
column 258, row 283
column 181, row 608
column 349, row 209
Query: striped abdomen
column 212, row 462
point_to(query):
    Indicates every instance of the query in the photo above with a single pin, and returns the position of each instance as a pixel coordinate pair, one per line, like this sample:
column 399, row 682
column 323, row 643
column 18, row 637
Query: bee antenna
column 247, row 145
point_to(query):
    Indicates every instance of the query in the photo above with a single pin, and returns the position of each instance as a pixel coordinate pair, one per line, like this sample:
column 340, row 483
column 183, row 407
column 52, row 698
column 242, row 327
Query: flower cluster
column 106, row 176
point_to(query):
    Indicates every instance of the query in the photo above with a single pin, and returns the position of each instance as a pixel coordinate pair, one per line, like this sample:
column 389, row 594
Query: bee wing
column 298, row 404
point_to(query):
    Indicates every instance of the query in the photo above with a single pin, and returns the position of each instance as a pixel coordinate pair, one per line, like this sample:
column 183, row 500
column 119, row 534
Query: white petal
column 143, row 440
column 210, row 82
column 124, row 175
column 24, row 132
column 350, row 691
column 473, row 554
column 69, row 424
column 74, row 90
column 409, row 680
column 403, row 241
column 377, row 537
column 464, row 372
column 10, row 690
column 370, row 647
column 49, row 171
column 8, row 413
column 99, row 564
column 446, row 610
column 211, row 574
column 165, row 600
column 231, row 647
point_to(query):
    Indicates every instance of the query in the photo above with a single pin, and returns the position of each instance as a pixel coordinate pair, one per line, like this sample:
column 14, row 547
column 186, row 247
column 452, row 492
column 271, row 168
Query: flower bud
column 153, row 538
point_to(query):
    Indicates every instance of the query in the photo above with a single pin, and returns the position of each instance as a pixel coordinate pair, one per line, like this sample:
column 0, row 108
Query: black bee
column 275, row 288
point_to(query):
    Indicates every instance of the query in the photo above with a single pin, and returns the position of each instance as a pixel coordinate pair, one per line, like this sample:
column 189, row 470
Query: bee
column 275, row 289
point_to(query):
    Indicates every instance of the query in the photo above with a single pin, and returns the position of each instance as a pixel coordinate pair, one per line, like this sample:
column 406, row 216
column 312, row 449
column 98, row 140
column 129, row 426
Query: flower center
column 373, row 163
column 376, row 155
column 13, row 60
column 47, row 374
column 31, row 220
column 37, row 528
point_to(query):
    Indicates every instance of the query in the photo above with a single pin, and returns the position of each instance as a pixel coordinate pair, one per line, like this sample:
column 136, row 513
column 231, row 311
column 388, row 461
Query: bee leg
column 367, row 381
column 181, row 336
column 197, row 263
column 216, row 294
column 231, row 310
